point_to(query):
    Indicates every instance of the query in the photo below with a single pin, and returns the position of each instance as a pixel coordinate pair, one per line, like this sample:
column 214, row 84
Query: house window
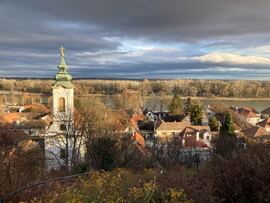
column 61, row 104
column 44, row 100
column 63, row 153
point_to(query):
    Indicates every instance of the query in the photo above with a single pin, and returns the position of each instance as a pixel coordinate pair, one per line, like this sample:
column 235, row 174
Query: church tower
column 63, row 91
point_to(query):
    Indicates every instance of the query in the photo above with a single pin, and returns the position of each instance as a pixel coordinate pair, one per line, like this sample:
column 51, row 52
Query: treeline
column 199, row 88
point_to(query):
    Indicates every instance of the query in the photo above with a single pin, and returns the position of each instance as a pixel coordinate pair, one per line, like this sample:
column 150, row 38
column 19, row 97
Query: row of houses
column 249, row 123
column 257, row 123
column 164, row 128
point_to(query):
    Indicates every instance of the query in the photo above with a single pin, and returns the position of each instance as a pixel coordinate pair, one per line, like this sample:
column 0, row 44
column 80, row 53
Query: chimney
column 197, row 136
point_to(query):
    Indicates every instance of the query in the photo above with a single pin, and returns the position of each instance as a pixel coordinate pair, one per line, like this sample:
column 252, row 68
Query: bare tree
column 67, row 138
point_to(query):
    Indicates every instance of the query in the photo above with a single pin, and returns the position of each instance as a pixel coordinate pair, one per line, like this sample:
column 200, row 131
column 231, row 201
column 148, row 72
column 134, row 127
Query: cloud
column 230, row 58
column 171, row 20
column 126, row 38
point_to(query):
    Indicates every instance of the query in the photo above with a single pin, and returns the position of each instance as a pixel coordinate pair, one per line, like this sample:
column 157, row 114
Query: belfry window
column 61, row 104
column 63, row 127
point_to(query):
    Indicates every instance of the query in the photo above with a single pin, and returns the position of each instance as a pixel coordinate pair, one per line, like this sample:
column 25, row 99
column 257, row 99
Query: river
column 258, row 104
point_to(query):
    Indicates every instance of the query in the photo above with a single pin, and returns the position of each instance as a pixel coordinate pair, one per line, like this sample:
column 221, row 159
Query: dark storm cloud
column 94, row 34
column 164, row 20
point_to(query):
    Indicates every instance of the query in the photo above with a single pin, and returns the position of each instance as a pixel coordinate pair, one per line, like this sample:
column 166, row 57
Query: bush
column 244, row 177
column 119, row 186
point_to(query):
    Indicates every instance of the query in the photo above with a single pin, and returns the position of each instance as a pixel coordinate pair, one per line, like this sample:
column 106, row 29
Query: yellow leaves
column 143, row 194
column 174, row 196
column 28, row 145
column 119, row 186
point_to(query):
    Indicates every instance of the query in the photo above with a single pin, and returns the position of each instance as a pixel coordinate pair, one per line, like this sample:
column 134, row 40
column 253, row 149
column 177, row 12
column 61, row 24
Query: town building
column 196, row 136
column 167, row 130
column 248, row 114
column 59, row 138
column 255, row 133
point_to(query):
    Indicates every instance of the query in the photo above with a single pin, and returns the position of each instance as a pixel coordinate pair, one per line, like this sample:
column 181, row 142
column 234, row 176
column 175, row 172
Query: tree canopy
column 227, row 126
column 176, row 106
column 196, row 114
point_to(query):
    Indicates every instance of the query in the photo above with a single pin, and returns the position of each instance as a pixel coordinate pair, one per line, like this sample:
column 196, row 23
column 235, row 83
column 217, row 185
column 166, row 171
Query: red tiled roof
column 177, row 126
column 134, row 120
column 9, row 118
column 192, row 130
column 264, row 123
column 37, row 108
column 189, row 134
column 192, row 142
column 254, row 132
column 248, row 112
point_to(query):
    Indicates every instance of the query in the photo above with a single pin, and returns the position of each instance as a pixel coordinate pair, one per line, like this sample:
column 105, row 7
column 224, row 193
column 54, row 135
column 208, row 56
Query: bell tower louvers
column 63, row 91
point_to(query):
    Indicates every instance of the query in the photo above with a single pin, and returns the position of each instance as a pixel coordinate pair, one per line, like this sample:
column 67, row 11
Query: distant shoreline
column 198, row 98
column 131, row 79
column 4, row 92
column 228, row 98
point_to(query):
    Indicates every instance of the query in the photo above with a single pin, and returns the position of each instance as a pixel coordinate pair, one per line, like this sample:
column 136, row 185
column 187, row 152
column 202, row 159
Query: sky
column 202, row 39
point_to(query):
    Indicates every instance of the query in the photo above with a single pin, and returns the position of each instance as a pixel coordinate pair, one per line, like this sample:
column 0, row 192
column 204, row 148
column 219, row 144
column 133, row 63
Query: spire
column 62, row 54
column 62, row 74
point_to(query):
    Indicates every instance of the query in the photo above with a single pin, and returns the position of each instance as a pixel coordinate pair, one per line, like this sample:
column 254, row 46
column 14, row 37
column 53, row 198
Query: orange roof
column 192, row 130
column 191, row 141
column 134, row 120
column 37, row 108
column 138, row 138
column 254, row 132
column 10, row 117
column 177, row 126
column 264, row 123
column 248, row 112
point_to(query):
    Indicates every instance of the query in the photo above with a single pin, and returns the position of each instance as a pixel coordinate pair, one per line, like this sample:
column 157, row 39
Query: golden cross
column 62, row 51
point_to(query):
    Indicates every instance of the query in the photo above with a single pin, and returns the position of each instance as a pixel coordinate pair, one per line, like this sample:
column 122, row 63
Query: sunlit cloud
column 232, row 58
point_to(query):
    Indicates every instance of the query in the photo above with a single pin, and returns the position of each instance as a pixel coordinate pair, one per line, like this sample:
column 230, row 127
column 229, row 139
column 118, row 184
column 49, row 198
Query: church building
column 59, row 137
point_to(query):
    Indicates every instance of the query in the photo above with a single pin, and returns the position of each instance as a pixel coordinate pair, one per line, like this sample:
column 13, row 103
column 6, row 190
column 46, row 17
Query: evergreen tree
column 176, row 106
column 188, row 106
column 214, row 124
column 227, row 127
column 196, row 114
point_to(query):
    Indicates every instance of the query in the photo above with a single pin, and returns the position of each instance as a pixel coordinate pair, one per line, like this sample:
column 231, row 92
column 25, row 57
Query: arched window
column 61, row 104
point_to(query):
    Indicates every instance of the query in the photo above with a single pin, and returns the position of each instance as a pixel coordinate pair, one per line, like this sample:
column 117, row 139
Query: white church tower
column 63, row 92
column 58, row 137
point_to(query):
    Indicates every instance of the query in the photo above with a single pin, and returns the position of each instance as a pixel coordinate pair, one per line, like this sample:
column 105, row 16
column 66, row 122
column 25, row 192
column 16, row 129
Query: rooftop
column 264, row 123
column 173, row 125
column 254, row 132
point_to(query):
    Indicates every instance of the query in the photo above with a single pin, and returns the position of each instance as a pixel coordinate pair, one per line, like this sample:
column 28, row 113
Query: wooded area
column 200, row 88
